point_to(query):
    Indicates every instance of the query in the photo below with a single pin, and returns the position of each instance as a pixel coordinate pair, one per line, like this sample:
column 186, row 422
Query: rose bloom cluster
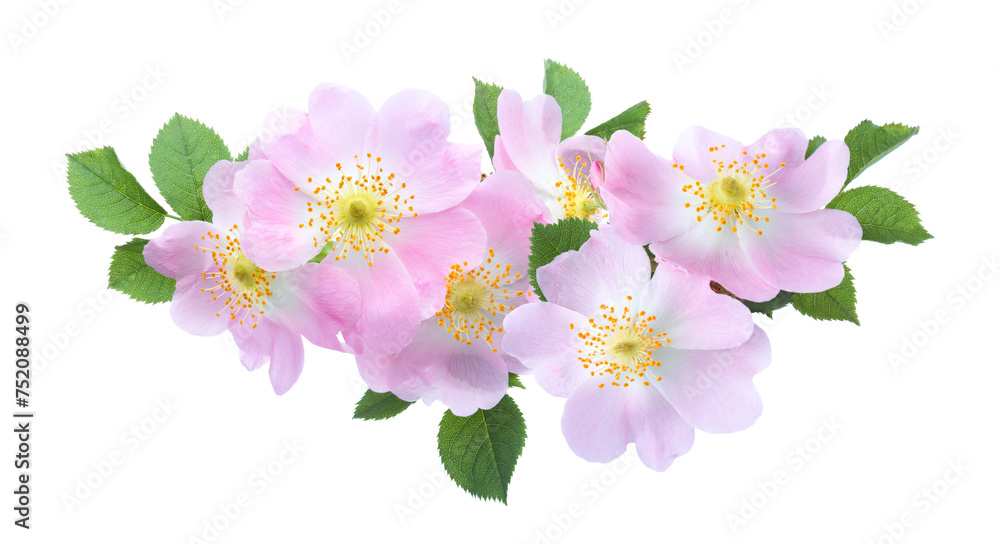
column 369, row 232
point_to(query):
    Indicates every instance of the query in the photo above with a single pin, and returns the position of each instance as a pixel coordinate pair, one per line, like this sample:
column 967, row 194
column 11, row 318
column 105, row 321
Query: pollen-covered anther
column 619, row 346
column 356, row 211
column 244, row 286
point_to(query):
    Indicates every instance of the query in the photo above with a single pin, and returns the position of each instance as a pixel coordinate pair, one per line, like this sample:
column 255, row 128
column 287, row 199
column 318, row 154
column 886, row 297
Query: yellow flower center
column 576, row 194
column 245, row 272
column 246, row 286
column 477, row 300
column 736, row 193
column 468, row 297
column 728, row 191
column 357, row 210
column 620, row 347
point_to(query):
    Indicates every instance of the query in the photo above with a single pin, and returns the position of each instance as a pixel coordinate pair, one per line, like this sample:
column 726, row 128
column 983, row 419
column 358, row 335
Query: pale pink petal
column 273, row 343
column 713, row 390
column 804, row 252
column 595, row 422
column 430, row 244
column 692, row 151
column 409, row 134
column 193, row 309
column 296, row 151
column 501, row 159
column 437, row 178
column 178, row 251
column 506, row 205
column 227, row 208
column 340, row 119
column 409, row 123
column 531, row 132
column 303, row 145
column 719, row 256
column 603, row 271
column 254, row 342
column 321, row 300
column 590, row 149
column 515, row 366
column 643, row 193
column 287, row 358
column 435, row 366
column 781, row 145
column 273, row 238
column 390, row 315
column 812, row 184
column 539, row 336
column 256, row 152
column 373, row 368
column 599, row 423
column 660, row 433
column 693, row 315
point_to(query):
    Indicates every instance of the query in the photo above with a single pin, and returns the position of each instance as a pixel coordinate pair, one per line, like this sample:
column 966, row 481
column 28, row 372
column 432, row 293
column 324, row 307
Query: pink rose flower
column 750, row 217
column 640, row 360
column 382, row 188
column 456, row 356
column 562, row 174
column 219, row 287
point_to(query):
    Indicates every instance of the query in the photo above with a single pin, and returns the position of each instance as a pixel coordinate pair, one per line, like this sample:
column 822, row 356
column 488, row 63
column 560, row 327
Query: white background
column 826, row 64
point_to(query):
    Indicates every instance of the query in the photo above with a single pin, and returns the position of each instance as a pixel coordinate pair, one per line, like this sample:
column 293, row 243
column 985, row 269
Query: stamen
column 477, row 300
column 738, row 190
column 356, row 211
column 620, row 346
column 576, row 192
column 246, row 286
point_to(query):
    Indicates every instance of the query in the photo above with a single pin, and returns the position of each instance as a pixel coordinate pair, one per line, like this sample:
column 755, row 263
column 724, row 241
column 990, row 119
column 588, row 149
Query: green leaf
column 837, row 304
column 632, row 120
column 768, row 308
column 814, row 145
column 373, row 406
column 513, row 380
column 570, row 92
column 869, row 142
column 182, row 153
column 548, row 241
column 109, row 195
column 484, row 111
column 322, row 253
column 244, row 155
column 885, row 216
column 130, row 274
column 480, row 452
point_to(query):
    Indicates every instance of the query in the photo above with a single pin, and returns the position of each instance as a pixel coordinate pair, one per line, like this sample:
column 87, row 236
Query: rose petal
column 539, row 336
column 643, row 193
column 599, row 423
column 713, row 390
column 273, row 238
column 603, row 271
column 804, row 252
